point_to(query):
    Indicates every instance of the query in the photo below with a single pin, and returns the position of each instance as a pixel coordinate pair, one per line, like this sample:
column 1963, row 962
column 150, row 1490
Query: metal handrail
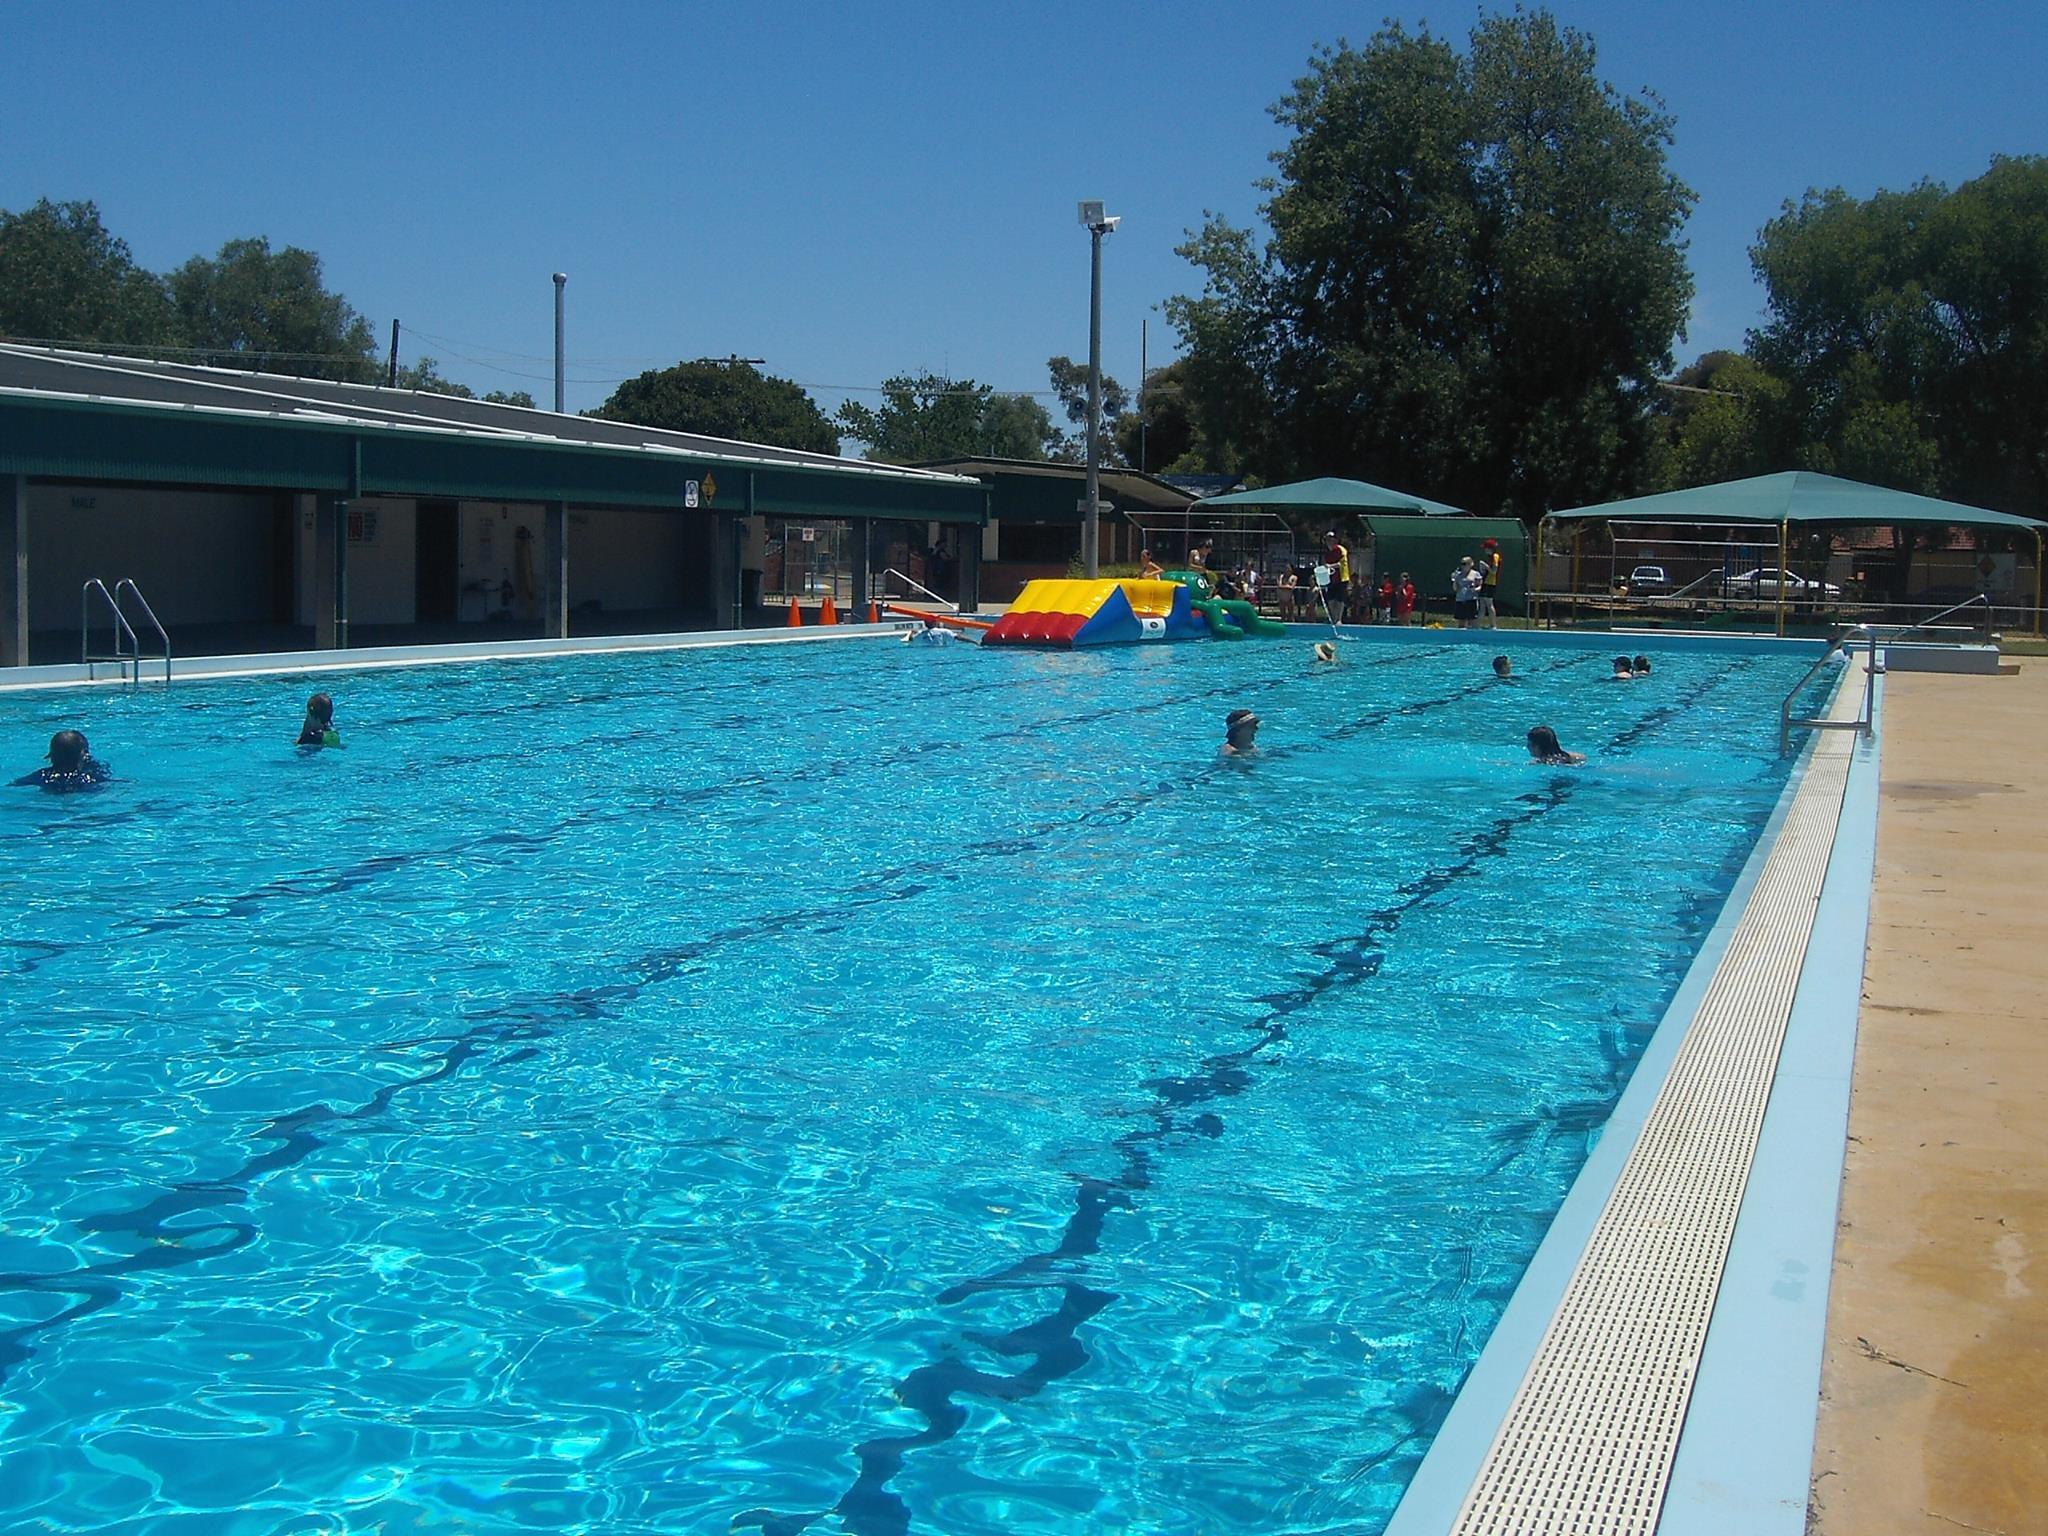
column 127, row 584
column 1983, row 598
column 121, row 658
column 890, row 570
column 1865, row 722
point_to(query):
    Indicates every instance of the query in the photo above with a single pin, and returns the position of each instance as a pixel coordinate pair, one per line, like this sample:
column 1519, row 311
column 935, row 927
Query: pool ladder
column 127, row 651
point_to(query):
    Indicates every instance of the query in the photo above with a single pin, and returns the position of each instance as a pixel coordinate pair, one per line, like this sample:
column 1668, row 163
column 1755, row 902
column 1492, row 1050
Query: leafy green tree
column 1160, row 435
column 252, row 307
column 928, row 416
column 1726, row 418
column 724, row 399
column 1015, row 427
column 64, row 278
column 1070, row 385
column 1473, row 279
column 1913, row 329
column 426, row 377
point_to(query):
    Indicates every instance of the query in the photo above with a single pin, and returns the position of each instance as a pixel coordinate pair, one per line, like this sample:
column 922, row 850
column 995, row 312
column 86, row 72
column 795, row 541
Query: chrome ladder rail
column 129, row 660
column 127, row 584
column 1864, row 722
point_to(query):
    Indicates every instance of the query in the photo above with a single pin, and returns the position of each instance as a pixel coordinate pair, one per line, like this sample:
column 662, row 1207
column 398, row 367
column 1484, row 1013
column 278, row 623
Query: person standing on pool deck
column 72, row 767
column 1404, row 600
column 318, row 731
column 1465, row 584
column 1383, row 601
column 1240, row 734
column 1545, row 748
column 1338, row 558
column 1489, row 567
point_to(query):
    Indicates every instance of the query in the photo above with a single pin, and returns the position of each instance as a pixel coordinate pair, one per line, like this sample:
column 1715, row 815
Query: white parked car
column 1647, row 581
column 1763, row 583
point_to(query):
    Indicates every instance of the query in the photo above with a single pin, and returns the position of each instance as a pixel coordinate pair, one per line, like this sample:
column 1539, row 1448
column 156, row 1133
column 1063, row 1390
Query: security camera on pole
column 1099, row 225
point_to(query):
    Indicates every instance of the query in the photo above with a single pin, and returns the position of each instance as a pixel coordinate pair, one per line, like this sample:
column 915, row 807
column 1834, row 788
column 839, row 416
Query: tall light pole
column 561, row 282
column 1099, row 224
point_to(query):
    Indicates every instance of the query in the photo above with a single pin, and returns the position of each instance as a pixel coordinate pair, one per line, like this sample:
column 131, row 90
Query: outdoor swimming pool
column 846, row 1084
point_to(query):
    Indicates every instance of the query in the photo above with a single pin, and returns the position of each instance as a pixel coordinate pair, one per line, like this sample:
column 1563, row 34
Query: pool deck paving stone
column 1934, row 1394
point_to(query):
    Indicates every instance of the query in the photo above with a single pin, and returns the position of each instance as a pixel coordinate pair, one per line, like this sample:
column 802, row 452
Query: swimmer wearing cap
column 1240, row 734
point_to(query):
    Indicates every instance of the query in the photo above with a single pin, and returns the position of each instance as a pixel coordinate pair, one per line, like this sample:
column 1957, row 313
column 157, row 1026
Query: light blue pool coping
column 1745, row 1453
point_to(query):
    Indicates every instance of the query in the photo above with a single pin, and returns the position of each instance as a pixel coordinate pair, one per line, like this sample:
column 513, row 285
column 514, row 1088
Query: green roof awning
column 1334, row 495
column 1798, row 496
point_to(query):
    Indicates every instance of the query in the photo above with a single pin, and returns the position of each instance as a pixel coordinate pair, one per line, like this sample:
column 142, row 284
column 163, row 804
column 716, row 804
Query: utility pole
column 1144, row 378
column 1099, row 224
column 561, row 282
column 391, row 375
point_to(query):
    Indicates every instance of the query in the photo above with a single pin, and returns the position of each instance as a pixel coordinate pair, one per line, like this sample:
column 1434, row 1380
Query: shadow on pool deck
column 1937, row 1356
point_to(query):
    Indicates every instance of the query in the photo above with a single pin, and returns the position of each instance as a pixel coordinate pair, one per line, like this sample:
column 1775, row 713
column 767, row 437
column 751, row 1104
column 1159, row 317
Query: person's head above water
column 320, row 710
column 1642, row 666
column 1240, row 729
column 1545, row 747
column 1623, row 667
column 1325, row 651
column 1502, row 666
column 68, row 749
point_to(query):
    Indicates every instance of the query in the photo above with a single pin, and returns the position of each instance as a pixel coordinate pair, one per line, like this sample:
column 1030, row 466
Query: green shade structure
column 1797, row 496
column 1803, row 497
column 1347, row 497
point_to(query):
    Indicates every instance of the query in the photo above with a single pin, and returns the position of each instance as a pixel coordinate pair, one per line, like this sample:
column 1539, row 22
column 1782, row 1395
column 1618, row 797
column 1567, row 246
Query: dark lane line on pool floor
column 98, row 1285
column 325, row 884
column 870, row 1507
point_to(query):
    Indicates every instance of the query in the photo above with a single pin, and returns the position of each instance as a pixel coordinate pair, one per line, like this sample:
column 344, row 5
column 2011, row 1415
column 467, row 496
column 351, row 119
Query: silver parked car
column 1762, row 583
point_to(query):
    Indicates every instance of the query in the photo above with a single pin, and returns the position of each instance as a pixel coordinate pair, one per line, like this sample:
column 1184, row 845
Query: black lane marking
column 321, row 884
column 1177, row 1113
column 296, row 1132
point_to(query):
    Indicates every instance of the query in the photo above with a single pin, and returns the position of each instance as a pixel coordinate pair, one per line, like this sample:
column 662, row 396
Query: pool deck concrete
column 1932, row 1414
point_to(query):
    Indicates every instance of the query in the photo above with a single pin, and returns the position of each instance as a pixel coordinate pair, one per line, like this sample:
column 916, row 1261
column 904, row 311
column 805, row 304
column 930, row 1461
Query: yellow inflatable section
column 1064, row 613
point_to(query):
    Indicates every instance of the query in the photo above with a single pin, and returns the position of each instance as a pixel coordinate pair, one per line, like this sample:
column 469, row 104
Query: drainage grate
column 1587, row 1445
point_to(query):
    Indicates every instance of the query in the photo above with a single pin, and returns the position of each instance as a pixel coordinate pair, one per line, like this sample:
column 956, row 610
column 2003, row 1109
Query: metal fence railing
column 1976, row 618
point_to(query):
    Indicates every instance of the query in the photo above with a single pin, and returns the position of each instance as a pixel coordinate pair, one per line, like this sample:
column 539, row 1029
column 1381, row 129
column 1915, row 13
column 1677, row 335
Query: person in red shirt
column 1383, row 601
column 1404, row 600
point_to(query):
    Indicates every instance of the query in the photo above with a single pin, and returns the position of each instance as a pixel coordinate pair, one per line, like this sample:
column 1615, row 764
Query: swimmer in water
column 1642, row 666
column 1624, row 670
column 1545, row 748
column 1240, row 734
column 72, row 767
column 1148, row 568
column 1325, row 651
column 1503, row 669
column 318, row 731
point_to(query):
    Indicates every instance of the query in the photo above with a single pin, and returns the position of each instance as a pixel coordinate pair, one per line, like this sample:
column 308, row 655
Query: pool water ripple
column 653, row 1122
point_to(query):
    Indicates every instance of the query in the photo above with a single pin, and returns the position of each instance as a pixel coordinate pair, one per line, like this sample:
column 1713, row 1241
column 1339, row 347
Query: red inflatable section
column 1037, row 628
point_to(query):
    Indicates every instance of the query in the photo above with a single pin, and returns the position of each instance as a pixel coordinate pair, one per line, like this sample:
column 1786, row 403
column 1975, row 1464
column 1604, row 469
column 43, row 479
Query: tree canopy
column 928, row 416
column 252, row 307
column 1473, row 277
column 65, row 278
column 425, row 376
column 724, row 399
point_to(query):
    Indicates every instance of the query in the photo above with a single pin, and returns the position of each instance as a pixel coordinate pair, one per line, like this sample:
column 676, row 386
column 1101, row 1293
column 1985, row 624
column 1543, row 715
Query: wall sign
column 689, row 493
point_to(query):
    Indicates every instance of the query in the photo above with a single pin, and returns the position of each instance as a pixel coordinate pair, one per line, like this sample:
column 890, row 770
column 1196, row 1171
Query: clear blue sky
column 855, row 191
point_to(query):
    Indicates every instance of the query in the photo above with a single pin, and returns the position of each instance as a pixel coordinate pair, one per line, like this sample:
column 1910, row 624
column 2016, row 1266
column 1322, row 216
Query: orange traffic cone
column 827, row 614
column 874, row 612
column 796, row 616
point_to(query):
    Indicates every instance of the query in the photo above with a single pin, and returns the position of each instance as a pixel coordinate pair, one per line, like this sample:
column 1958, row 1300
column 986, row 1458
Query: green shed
column 1428, row 548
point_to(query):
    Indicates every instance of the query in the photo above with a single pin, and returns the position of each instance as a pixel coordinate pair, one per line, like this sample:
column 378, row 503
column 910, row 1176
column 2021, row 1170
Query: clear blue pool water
column 854, row 1087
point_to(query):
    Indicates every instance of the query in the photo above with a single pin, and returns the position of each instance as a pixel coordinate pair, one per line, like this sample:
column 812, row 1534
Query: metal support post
column 14, row 571
column 554, row 575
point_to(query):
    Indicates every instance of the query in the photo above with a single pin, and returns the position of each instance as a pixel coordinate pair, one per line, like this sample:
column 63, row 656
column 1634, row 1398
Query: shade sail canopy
column 1798, row 496
column 1334, row 496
